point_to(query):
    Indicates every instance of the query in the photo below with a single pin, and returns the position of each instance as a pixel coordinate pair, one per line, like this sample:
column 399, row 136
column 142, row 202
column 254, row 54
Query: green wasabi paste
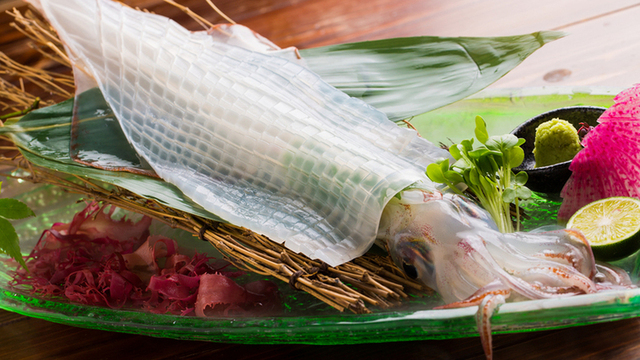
column 556, row 141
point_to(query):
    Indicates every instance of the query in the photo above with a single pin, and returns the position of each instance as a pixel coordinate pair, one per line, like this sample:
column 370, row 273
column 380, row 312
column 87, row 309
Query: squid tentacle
column 566, row 275
column 486, row 309
column 573, row 251
column 494, row 288
column 517, row 281
column 612, row 277
column 488, row 299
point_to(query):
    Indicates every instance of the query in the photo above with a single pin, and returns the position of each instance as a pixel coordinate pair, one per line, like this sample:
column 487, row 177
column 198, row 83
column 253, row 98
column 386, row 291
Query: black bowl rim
column 546, row 114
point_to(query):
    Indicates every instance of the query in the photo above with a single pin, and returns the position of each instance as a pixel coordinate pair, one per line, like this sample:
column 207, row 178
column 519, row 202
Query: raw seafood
column 266, row 144
column 256, row 139
column 453, row 246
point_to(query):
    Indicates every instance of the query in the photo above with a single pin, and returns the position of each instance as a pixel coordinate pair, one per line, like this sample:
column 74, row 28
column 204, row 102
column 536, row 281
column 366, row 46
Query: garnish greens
column 11, row 209
column 486, row 170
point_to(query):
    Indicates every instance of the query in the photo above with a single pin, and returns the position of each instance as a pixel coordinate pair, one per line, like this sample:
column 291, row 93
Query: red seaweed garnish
column 584, row 130
column 96, row 260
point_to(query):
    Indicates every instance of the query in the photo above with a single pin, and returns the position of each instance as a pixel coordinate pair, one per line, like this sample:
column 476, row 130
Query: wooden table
column 601, row 50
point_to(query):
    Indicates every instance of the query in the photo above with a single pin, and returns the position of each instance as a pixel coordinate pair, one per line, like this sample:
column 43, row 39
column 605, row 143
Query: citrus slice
column 611, row 226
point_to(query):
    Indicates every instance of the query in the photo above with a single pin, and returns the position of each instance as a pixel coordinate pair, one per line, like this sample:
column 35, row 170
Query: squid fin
column 242, row 36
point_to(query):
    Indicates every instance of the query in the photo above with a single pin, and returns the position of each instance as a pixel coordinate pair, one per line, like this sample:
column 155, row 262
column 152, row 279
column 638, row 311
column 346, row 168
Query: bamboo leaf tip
column 545, row 37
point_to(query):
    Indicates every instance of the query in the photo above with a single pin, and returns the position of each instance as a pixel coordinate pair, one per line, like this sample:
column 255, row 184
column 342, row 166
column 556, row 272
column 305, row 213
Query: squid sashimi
column 266, row 144
column 258, row 139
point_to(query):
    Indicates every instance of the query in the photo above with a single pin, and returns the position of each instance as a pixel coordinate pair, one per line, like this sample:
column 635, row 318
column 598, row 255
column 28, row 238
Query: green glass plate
column 306, row 320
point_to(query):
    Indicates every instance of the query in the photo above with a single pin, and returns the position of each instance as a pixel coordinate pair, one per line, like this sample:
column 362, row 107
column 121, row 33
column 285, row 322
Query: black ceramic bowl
column 551, row 179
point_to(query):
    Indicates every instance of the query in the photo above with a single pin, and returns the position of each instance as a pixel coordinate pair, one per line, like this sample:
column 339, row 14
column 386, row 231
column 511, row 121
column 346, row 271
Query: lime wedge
column 611, row 226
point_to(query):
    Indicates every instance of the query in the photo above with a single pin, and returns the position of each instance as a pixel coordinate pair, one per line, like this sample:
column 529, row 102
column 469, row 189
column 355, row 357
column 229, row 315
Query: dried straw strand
column 247, row 250
column 47, row 81
column 42, row 34
column 199, row 19
column 224, row 16
column 14, row 99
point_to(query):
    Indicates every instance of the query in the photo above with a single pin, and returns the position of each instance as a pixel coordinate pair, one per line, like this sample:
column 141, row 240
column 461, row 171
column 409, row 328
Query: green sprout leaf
column 474, row 178
column 481, row 130
column 486, row 170
column 521, row 178
column 502, row 143
column 454, row 177
column 434, row 172
column 509, row 195
column 467, row 145
column 444, row 165
column 523, row 192
column 440, row 172
column 455, row 152
column 516, row 157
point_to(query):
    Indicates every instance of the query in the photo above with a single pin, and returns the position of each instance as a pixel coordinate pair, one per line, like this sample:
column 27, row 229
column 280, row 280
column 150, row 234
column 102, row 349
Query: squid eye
column 410, row 270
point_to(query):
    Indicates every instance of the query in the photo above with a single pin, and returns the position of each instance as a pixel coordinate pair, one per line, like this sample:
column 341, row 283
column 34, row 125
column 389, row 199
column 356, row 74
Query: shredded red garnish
column 609, row 163
column 96, row 260
column 584, row 130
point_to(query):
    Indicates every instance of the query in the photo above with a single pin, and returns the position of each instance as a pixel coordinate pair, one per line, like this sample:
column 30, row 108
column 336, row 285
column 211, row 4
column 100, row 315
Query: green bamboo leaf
column 404, row 77
column 147, row 187
column 44, row 131
column 9, row 243
column 109, row 150
column 408, row 77
column 43, row 137
column 13, row 209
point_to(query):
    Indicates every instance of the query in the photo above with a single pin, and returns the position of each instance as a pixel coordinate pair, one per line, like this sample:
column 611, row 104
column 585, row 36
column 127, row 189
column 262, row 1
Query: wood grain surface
column 600, row 50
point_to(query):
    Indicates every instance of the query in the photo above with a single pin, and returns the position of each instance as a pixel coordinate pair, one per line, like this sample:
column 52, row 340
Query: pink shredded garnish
column 96, row 260
column 609, row 164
